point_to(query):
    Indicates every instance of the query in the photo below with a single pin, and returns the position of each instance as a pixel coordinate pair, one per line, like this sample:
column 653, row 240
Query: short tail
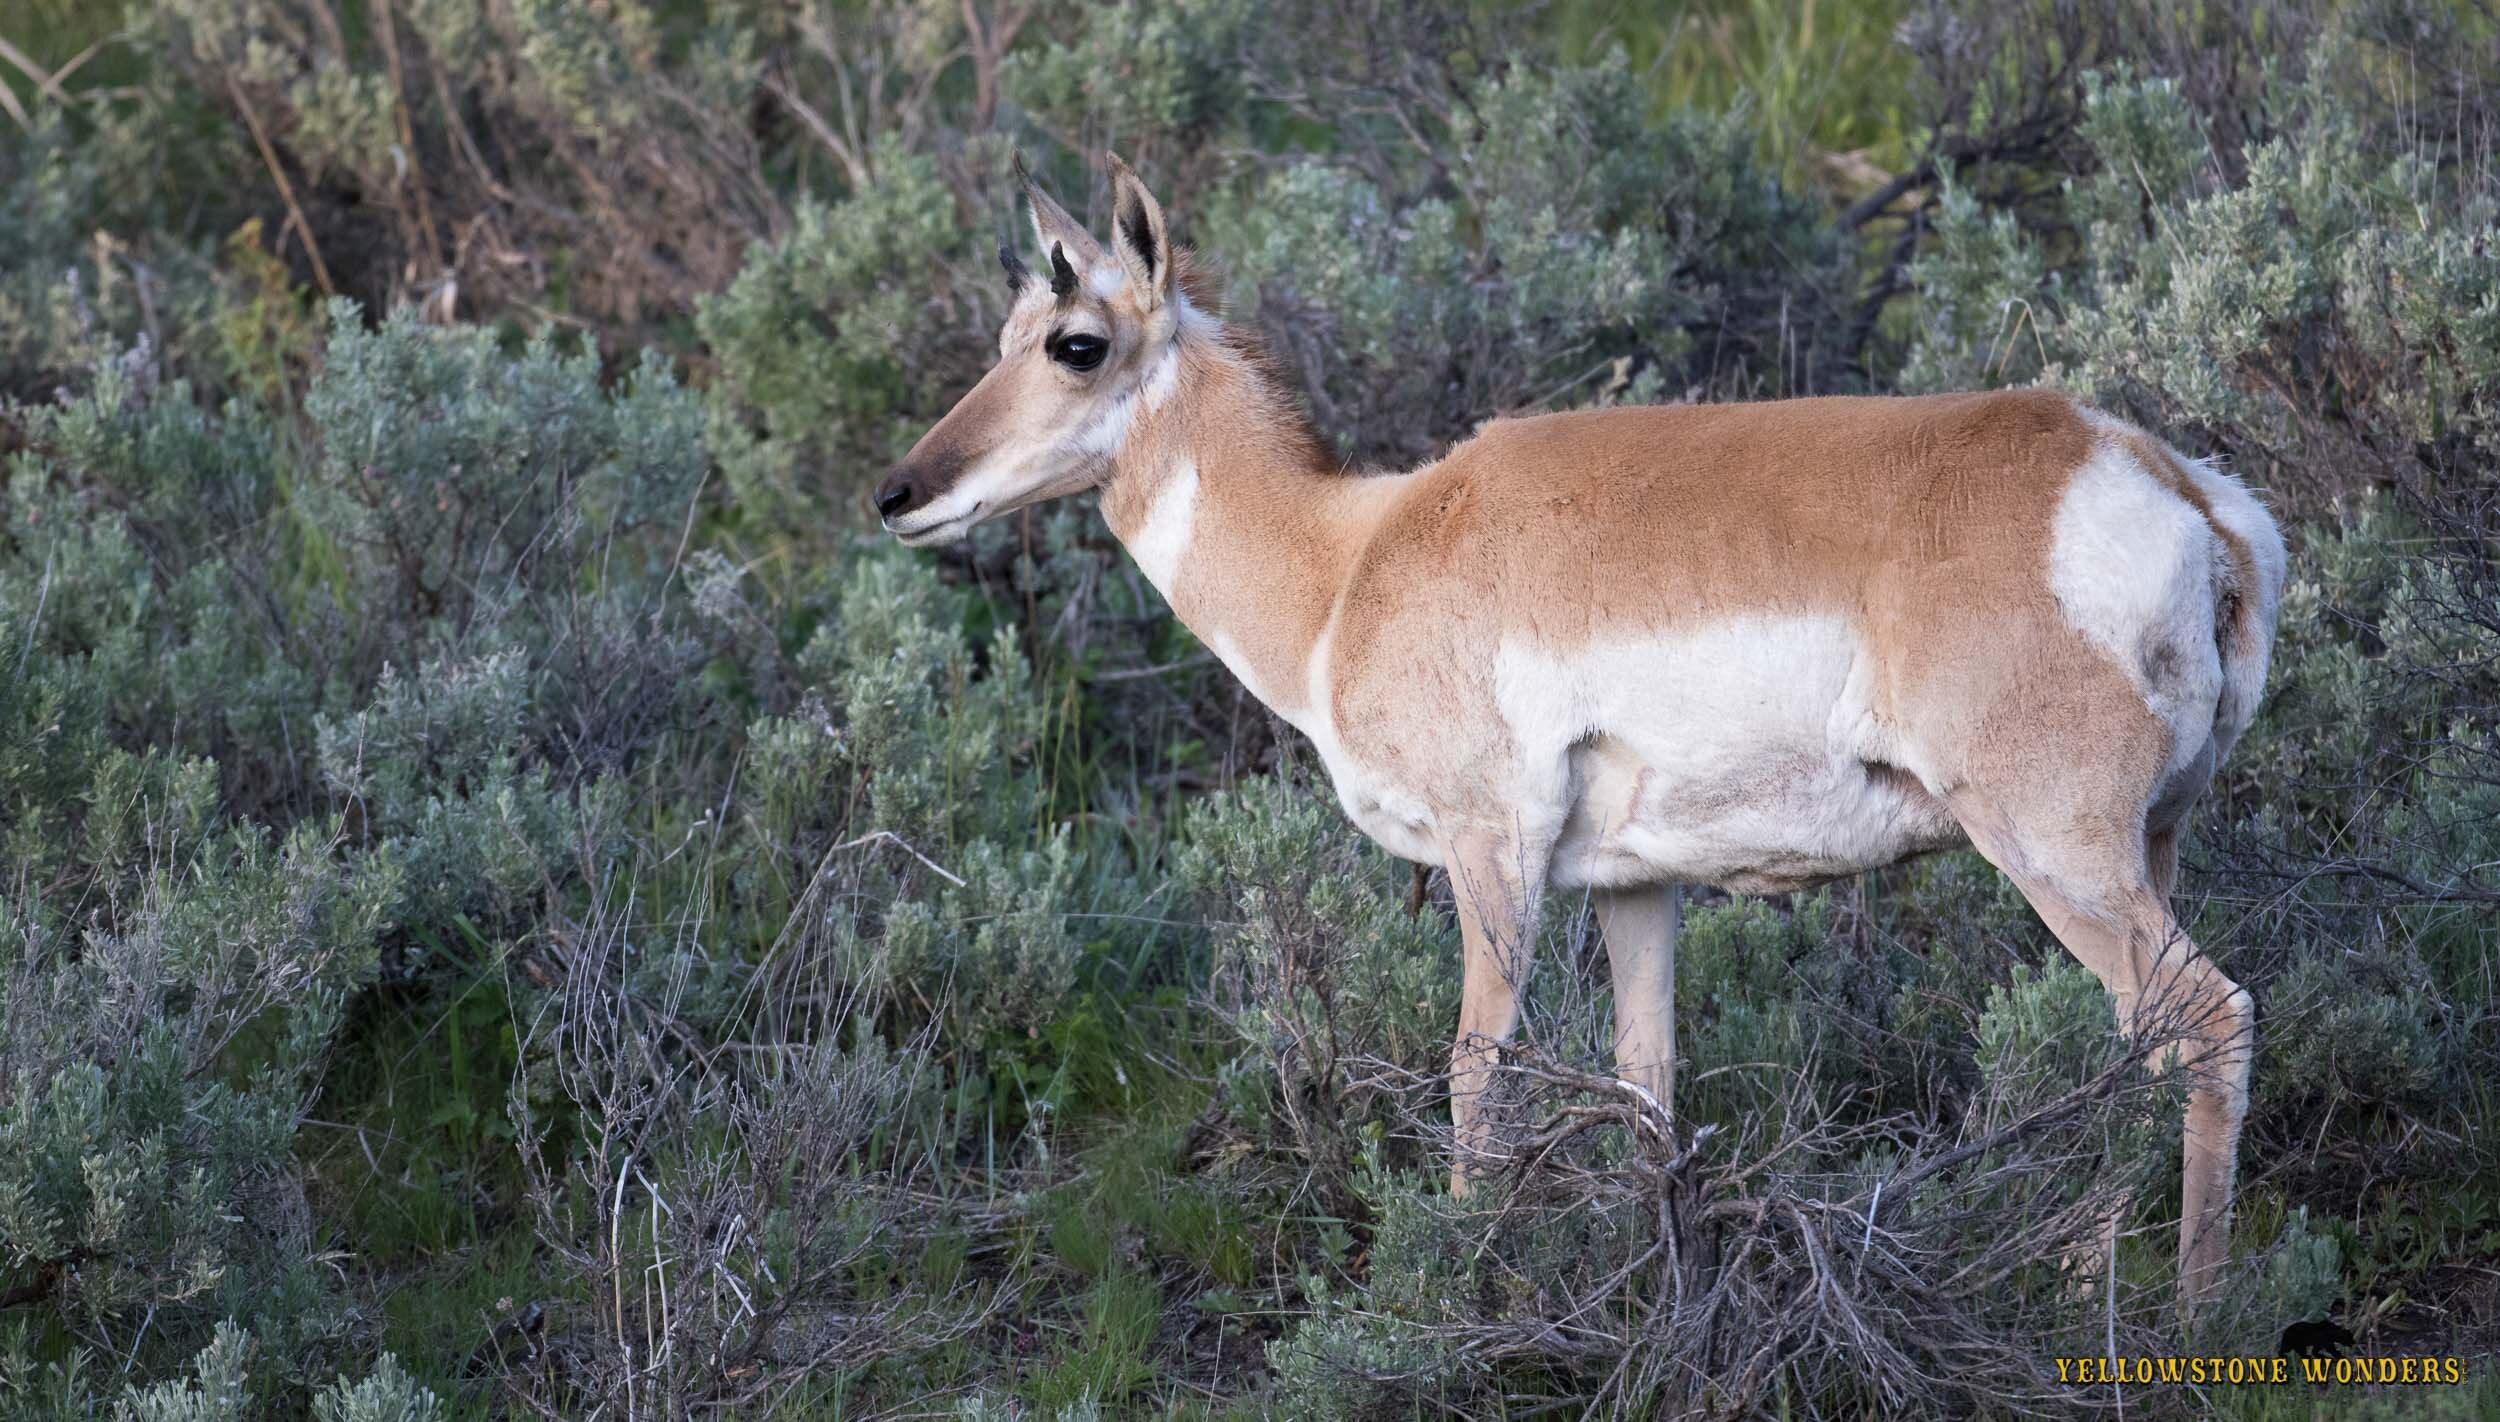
column 2248, row 589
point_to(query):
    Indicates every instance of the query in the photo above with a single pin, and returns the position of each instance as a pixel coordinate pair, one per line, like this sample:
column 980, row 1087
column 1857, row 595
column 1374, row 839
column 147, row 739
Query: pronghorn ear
column 1053, row 228
column 1137, row 234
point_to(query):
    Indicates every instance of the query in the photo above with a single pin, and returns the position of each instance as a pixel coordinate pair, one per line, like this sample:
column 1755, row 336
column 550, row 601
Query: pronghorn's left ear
column 1137, row 235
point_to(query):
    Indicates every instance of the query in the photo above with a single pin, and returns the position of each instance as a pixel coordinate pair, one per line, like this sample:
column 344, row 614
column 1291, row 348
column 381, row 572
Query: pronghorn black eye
column 1080, row 351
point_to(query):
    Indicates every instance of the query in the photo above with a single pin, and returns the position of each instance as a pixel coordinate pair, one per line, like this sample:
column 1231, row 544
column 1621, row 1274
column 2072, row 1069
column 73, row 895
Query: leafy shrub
column 734, row 966
column 1341, row 998
column 174, row 984
column 837, row 393
column 461, row 487
column 1672, row 265
column 2292, row 304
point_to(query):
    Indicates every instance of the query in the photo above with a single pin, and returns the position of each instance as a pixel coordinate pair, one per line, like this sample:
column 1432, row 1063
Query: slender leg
column 2161, row 867
column 2170, row 997
column 1640, row 927
column 1496, row 888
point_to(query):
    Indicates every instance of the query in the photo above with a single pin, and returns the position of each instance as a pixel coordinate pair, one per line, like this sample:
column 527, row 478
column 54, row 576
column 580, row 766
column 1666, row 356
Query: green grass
column 53, row 33
column 1821, row 79
column 413, row 1144
column 2477, row 1398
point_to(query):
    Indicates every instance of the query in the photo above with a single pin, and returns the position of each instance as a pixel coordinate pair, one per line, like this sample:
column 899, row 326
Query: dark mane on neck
column 1201, row 284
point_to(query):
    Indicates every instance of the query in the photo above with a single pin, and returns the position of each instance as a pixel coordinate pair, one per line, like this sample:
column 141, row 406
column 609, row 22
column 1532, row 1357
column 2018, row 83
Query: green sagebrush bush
column 1662, row 261
column 2325, row 315
column 1340, row 997
column 459, row 483
column 842, row 916
column 2367, row 853
column 220, row 1390
column 73, row 291
column 450, row 629
column 171, row 985
column 175, row 976
column 806, row 407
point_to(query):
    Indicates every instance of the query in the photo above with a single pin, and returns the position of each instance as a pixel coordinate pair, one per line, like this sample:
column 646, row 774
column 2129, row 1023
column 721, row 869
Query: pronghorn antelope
column 1759, row 646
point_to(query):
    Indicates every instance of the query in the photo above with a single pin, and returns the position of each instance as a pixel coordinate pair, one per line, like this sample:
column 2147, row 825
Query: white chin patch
column 946, row 528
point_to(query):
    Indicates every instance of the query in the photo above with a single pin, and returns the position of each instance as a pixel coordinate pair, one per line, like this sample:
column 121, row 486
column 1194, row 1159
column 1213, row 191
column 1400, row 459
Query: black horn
column 1062, row 276
column 1017, row 272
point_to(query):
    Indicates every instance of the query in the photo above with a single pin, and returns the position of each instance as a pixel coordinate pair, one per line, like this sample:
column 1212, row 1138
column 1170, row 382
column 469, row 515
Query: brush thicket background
column 514, row 902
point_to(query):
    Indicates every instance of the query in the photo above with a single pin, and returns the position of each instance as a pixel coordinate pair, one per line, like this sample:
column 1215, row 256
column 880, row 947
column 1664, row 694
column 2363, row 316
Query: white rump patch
column 2239, row 511
column 2134, row 567
column 2245, row 661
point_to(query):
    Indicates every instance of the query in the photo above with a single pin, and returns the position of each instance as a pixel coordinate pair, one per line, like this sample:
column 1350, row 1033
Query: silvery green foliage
column 459, row 483
column 175, row 979
column 439, row 765
column 907, row 769
column 1754, row 974
column 1335, row 990
column 2375, row 650
column 1139, row 73
column 388, row 1394
column 48, row 187
column 2317, row 307
column 2047, row 1029
column 901, row 304
column 1661, row 260
column 218, row 1391
column 170, row 986
column 981, row 1407
column 504, row 526
column 1341, row 1360
column 140, row 525
column 82, row 276
column 997, row 951
column 2299, row 1277
column 935, row 726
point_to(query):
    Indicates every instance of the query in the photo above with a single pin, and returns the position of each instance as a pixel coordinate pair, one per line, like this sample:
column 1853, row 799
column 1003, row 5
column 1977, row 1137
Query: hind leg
column 2093, row 881
column 2161, row 866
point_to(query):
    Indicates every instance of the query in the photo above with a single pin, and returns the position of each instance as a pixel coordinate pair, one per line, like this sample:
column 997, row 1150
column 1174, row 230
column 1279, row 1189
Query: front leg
column 1496, row 879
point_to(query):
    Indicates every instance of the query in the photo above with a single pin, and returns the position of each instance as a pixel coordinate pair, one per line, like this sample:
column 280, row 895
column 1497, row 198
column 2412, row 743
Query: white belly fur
column 1738, row 755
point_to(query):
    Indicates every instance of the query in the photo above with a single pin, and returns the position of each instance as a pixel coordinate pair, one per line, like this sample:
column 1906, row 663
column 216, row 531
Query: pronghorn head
column 1090, row 336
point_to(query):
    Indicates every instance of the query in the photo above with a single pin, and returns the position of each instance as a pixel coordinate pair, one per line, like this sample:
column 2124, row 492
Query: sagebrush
column 510, row 905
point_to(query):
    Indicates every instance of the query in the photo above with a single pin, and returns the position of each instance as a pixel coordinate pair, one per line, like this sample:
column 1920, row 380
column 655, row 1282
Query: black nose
column 896, row 492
